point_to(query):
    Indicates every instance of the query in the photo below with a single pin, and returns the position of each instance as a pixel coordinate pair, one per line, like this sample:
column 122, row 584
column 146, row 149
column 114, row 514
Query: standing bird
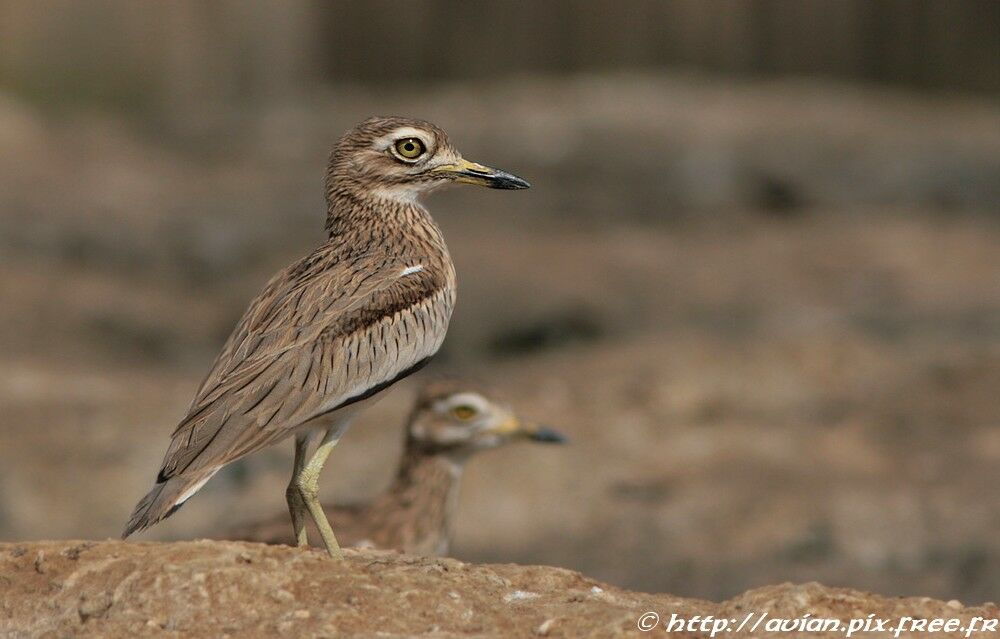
column 368, row 307
column 450, row 423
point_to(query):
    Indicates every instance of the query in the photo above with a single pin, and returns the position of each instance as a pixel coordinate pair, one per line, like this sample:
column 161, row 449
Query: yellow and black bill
column 473, row 173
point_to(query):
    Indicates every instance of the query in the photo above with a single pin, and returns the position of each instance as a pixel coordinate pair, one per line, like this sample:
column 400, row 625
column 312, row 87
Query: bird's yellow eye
column 410, row 148
column 463, row 412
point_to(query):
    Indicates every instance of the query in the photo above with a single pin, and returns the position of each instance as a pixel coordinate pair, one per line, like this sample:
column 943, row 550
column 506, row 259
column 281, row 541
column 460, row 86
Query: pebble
column 543, row 629
column 520, row 595
column 282, row 595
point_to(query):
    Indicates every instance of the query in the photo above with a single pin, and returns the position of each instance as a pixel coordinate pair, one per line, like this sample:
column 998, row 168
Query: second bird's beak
column 514, row 427
column 547, row 435
column 472, row 173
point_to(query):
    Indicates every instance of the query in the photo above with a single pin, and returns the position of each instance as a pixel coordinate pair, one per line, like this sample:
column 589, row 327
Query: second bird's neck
column 422, row 470
column 422, row 501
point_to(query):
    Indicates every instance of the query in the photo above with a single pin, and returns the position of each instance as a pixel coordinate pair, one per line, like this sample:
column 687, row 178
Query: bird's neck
column 421, row 469
column 360, row 216
column 428, row 485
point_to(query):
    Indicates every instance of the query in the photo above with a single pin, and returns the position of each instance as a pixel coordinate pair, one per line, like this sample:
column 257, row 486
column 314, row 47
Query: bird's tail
column 164, row 500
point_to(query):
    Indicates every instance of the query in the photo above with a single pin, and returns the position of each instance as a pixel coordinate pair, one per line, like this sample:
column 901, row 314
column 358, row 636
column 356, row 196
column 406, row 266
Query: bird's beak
column 513, row 427
column 472, row 173
column 546, row 435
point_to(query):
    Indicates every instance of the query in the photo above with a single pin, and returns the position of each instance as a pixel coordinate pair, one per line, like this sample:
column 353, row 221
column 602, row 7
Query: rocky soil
column 225, row 589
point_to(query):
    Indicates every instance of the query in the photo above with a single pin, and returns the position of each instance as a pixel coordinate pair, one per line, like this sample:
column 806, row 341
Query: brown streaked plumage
column 365, row 309
column 450, row 422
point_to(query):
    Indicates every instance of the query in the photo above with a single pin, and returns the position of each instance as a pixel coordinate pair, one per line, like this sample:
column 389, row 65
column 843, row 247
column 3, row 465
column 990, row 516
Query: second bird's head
column 399, row 158
column 453, row 418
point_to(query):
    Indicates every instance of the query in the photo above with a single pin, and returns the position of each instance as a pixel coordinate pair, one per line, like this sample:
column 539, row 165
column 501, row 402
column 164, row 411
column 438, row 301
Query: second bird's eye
column 410, row 148
column 463, row 412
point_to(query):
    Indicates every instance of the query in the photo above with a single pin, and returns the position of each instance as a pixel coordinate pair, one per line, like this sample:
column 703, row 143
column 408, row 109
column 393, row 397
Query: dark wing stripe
column 268, row 421
column 381, row 386
column 253, row 378
column 262, row 397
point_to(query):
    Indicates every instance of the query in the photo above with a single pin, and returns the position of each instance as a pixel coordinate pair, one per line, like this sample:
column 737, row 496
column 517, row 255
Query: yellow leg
column 296, row 505
column 307, row 482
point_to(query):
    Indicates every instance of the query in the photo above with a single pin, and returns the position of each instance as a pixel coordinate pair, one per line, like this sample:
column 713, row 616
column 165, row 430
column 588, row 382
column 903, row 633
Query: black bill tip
column 507, row 181
column 493, row 178
column 549, row 436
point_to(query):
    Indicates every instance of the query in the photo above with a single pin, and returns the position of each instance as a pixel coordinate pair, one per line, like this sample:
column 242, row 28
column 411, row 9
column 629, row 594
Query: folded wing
column 318, row 337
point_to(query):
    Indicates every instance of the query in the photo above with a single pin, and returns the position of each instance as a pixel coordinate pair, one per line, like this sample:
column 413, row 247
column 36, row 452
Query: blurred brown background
column 757, row 278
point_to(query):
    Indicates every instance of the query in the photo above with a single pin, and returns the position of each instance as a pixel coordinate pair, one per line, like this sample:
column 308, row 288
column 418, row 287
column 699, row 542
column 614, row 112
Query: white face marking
column 410, row 270
column 387, row 140
column 475, row 400
column 399, row 193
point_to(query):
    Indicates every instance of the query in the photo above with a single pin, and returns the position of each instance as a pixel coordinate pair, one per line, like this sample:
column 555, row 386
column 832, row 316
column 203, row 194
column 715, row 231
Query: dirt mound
column 212, row 589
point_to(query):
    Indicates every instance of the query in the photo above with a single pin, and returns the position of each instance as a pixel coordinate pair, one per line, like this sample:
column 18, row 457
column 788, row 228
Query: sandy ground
column 213, row 589
column 769, row 318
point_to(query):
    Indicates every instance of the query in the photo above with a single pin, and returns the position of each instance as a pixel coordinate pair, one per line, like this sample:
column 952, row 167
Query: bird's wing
column 320, row 336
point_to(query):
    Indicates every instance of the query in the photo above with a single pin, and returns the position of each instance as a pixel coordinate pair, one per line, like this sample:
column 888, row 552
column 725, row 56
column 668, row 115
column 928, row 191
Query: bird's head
column 451, row 417
column 399, row 158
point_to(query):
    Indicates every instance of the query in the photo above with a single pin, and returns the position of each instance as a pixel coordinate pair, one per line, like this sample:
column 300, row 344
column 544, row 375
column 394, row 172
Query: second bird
column 451, row 422
column 327, row 334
